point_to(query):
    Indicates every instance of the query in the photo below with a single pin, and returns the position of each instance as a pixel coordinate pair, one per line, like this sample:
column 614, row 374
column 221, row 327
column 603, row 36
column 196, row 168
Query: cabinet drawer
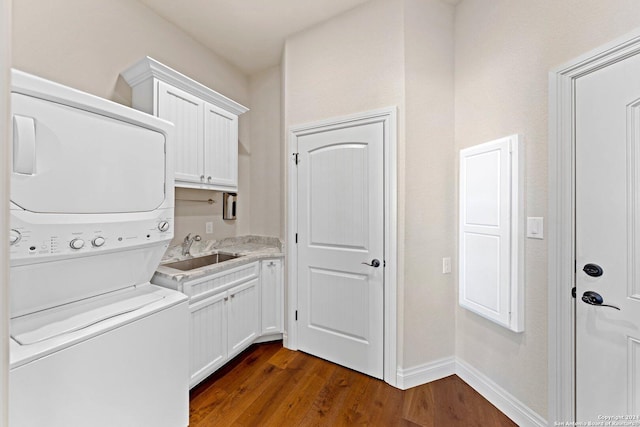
column 205, row 286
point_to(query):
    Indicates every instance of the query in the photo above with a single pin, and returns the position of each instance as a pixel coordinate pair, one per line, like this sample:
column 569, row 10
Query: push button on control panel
column 98, row 241
column 76, row 244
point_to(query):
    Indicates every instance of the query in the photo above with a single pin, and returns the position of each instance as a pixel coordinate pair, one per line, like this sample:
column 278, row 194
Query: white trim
column 5, row 147
column 388, row 117
column 423, row 374
column 148, row 68
column 513, row 408
column 561, row 217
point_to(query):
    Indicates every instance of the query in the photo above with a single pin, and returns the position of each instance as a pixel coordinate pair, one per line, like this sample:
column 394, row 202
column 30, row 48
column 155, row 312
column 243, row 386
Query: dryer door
column 67, row 160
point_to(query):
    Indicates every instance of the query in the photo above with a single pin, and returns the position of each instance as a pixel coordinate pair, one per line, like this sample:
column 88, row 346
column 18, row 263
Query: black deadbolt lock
column 593, row 270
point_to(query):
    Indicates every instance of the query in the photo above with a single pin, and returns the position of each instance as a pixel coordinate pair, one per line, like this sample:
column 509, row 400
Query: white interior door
column 607, row 242
column 340, row 268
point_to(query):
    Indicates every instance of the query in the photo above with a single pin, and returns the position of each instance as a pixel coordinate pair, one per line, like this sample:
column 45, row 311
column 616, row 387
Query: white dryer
column 93, row 343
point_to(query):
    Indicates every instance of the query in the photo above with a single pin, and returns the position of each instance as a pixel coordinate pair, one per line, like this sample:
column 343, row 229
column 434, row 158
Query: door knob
column 594, row 298
column 374, row 263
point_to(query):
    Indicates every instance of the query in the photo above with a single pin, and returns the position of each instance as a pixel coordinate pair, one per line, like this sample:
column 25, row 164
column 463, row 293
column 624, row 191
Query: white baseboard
column 520, row 413
column 426, row 373
column 268, row 338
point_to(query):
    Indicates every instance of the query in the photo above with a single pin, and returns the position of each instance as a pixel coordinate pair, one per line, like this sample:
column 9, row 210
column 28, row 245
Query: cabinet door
column 221, row 148
column 207, row 337
column 243, row 316
column 185, row 111
column 271, row 295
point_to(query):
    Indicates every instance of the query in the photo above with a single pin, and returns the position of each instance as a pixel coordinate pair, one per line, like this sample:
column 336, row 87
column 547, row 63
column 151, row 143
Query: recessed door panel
column 68, row 160
column 482, row 274
column 339, row 211
column 339, row 316
column 482, row 196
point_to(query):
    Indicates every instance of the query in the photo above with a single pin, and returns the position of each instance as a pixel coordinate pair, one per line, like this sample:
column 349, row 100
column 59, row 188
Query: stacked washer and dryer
column 93, row 343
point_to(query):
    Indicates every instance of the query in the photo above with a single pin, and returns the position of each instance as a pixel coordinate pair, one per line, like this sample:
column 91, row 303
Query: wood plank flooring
column 268, row 385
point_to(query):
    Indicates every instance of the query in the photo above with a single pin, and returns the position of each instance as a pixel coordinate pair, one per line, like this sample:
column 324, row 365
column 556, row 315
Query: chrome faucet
column 188, row 241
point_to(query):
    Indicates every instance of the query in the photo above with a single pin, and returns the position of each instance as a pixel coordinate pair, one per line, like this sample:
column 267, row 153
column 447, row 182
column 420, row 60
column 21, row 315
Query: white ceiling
column 248, row 33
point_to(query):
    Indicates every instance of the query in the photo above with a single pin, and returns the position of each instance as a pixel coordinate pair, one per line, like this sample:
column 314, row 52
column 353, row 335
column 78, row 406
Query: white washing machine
column 93, row 343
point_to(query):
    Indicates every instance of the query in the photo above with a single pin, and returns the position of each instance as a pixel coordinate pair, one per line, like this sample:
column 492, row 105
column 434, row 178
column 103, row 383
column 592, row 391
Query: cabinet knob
column 201, row 177
column 226, row 298
column 233, row 295
column 209, row 178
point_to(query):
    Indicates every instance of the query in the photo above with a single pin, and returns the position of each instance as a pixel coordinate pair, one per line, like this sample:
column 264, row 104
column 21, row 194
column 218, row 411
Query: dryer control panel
column 32, row 242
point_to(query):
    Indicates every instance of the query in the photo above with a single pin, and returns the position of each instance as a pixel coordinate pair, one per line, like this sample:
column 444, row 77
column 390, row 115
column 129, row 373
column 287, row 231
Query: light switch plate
column 446, row 265
column 535, row 227
column 209, row 227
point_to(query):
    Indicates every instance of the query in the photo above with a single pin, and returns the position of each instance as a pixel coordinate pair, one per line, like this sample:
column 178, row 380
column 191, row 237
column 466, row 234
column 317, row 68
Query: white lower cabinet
column 221, row 327
column 272, row 296
column 207, row 337
column 227, row 313
column 243, row 321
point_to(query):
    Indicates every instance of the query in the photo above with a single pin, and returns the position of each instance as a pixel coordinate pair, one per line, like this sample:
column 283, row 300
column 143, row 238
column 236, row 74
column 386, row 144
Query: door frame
column 561, row 264
column 388, row 117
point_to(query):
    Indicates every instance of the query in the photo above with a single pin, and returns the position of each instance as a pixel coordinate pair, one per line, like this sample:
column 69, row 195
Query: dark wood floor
column 269, row 385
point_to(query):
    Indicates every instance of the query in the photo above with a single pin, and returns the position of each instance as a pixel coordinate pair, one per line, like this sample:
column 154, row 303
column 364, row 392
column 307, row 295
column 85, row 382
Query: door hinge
column 573, row 292
column 296, row 158
column 296, row 237
column 296, row 315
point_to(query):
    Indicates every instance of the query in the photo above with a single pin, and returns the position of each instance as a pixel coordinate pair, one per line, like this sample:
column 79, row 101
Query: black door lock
column 593, row 270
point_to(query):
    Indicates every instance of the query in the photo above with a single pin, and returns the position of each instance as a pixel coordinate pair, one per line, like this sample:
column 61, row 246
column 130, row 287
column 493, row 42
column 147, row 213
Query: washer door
column 67, row 160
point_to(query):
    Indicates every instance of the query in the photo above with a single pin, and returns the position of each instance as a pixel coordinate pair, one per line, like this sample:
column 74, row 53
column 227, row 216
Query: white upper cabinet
column 221, row 146
column 187, row 113
column 206, row 124
column 491, row 246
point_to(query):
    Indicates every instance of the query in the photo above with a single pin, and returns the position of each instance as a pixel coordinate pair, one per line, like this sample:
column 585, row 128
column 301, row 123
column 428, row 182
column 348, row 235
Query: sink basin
column 193, row 263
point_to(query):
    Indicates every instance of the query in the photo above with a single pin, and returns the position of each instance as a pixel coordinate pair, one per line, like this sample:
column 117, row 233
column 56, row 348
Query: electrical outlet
column 209, row 227
column 446, row 265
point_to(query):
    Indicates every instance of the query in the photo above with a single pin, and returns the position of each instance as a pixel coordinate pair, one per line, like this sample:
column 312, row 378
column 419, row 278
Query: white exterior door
column 340, row 271
column 608, row 242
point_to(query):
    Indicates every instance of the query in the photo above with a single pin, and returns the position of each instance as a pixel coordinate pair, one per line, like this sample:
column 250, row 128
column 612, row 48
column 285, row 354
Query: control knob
column 14, row 237
column 98, row 241
column 163, row 226
column 76, row 244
